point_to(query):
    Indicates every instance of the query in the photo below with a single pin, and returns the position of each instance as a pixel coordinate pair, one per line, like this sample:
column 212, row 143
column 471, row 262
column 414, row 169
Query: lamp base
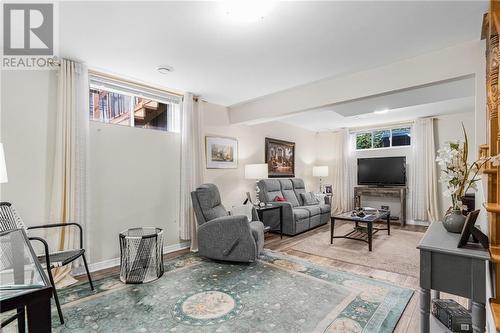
column 257, row 191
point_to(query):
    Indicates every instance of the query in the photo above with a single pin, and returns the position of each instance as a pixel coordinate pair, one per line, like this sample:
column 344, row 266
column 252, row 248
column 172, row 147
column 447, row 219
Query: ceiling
column 453, row 96
column 227, row 62
column 328, row 120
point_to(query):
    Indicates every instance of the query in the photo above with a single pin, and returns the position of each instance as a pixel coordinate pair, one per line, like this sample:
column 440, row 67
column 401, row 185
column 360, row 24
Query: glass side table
column 24, row 287
column 141, row 255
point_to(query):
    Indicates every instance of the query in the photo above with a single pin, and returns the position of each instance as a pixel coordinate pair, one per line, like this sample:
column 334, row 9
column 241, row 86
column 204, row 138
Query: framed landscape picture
column 221, row 152
column 280, row 158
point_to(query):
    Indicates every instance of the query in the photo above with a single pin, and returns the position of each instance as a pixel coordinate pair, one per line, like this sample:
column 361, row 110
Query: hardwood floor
column 410, row 320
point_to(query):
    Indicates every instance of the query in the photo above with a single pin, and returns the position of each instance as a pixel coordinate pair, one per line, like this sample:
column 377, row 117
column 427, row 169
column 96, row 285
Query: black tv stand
column 377, row 191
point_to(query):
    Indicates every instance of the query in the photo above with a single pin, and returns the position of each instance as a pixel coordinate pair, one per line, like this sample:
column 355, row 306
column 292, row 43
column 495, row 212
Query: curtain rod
column 381, row 126
column 134, row 83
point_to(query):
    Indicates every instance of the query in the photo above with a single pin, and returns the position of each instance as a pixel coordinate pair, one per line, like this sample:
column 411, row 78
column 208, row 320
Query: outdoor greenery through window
column 111, row 103
column 384, row 138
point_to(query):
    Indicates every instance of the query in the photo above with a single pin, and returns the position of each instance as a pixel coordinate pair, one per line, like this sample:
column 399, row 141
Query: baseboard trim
column 418, row 222
column 98, row 266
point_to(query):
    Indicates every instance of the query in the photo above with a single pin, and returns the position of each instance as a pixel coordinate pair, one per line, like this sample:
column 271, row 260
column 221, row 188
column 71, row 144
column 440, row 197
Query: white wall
column 449, row 128
column 134, row 181
column 133, row 172
column 28, row 102
column 231, row 182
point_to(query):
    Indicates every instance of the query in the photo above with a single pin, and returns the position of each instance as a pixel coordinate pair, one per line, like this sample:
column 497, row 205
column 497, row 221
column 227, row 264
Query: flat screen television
column 382, row 171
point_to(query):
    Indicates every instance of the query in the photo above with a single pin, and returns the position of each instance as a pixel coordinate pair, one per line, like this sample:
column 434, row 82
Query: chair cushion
column 298, row 188
column 210, row 202
column 309, row 199
column 313, row 210
column 271, row 185
column 325, row 208
column 288, row 193
column 301, row 213
column 269, row 189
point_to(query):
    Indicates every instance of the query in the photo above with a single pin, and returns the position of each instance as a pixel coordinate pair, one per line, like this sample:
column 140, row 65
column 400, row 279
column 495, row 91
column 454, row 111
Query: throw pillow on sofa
column 309, row 199
column 279, row 199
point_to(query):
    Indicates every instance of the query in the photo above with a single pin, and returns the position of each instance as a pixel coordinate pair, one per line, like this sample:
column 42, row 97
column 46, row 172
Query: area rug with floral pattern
column 277, row 293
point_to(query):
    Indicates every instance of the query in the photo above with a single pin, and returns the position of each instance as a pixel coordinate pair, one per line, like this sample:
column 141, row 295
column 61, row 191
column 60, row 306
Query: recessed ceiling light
column 246, row 11
column 164, row 69
column 381, row 111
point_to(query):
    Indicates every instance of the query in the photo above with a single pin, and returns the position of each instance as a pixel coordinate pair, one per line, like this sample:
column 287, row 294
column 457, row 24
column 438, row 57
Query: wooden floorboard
column 409, row 321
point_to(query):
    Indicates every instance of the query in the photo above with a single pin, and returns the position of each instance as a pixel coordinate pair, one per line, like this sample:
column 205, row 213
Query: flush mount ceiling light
column 165, row 69
column 246, row 11
column 384, row 111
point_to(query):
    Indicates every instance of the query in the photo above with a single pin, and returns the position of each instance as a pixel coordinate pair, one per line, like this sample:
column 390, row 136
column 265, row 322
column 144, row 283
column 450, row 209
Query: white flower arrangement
column 457, row 174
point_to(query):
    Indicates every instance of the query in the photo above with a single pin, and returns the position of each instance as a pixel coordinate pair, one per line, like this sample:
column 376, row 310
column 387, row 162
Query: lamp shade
column 320, row 171
column 256, row 171
column 3, row 168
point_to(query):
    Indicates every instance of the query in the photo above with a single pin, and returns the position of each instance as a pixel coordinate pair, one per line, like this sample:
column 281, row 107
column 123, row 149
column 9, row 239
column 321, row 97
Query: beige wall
column 231, row 182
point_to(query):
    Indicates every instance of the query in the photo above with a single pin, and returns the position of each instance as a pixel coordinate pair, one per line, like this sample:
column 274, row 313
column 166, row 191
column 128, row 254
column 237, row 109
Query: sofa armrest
column 287, row 209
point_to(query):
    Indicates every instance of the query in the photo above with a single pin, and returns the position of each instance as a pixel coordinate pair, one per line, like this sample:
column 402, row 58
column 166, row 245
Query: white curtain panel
column 424, row 174
column 69, row 189
column 191, row 166
column 343, row 172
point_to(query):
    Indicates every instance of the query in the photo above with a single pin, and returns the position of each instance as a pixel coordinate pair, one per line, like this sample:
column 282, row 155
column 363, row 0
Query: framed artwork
column 470, row 230
column 328, row 189
column 221, row 152
column 280, row 158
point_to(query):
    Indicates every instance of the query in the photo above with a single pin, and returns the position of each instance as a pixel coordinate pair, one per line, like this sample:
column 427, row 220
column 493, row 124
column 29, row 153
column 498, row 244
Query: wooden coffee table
column 358, row 233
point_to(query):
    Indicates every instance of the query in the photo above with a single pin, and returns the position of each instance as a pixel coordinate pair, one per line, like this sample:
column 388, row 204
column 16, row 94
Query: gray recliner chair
column 222, row 236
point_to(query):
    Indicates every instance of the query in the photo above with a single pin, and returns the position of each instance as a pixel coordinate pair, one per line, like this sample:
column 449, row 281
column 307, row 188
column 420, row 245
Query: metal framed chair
column 10, row 219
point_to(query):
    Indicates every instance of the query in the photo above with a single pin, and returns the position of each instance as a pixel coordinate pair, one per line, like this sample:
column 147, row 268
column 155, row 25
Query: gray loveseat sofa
column 222, row 236
column 297, row 217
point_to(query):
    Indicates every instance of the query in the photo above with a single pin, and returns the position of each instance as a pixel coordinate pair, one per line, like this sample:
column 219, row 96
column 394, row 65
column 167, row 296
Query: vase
column 454, row 221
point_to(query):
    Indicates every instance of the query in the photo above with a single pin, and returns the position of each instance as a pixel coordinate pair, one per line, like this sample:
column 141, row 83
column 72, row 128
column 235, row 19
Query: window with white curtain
column 113, row 101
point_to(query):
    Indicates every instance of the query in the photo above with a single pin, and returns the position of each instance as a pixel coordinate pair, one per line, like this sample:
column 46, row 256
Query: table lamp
column 320, row 171
column 256, row 172
column 3, row 168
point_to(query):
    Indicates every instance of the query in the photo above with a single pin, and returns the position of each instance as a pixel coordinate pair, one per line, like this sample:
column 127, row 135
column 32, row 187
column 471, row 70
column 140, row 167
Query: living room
column 235, row 166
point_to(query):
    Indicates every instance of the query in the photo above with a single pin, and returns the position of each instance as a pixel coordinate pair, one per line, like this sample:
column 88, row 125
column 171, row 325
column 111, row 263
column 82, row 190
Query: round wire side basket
column 141, row 255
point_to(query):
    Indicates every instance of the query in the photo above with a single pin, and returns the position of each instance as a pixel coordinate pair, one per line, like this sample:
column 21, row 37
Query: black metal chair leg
column 88, row 273
column 54, row 291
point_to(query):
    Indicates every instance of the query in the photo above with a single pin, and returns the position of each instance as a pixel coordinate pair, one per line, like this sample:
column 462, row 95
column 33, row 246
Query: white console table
column 394, row 192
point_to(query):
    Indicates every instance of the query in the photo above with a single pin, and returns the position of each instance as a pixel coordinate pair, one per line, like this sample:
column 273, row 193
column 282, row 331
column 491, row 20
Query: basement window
column 112, row 101
column 383, row 138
